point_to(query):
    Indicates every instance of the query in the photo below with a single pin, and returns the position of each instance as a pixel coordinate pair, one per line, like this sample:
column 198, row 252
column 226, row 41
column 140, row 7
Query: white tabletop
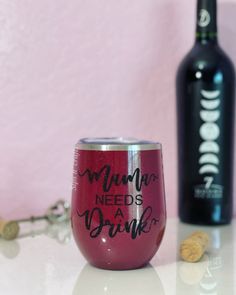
column 50, row 263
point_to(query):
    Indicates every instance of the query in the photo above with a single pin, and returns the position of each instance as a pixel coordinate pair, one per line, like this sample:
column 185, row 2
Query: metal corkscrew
column 57, row 213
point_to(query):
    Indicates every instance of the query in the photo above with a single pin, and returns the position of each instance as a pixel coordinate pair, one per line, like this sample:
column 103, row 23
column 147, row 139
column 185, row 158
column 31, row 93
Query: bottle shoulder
column 206, row 58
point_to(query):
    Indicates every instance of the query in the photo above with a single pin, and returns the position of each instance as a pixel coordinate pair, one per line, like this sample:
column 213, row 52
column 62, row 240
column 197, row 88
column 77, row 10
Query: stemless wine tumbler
column 118, row 201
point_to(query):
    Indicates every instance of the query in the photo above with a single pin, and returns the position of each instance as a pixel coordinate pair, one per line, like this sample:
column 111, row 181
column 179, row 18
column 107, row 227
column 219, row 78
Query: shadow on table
column 94, row 281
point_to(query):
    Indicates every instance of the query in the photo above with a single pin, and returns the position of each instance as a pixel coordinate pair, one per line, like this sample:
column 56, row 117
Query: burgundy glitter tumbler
column 118, row 201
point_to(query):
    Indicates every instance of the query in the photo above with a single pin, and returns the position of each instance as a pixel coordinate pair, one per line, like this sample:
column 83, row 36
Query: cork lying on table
column 9, row 229
column 193, row 248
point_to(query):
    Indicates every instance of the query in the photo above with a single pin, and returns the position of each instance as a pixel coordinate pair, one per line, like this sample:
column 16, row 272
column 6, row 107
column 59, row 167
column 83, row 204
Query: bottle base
column 205, row 222
column 206, row 213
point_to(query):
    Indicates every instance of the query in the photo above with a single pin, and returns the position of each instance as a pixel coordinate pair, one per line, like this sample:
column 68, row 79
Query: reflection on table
column 94, row 281
column 61, row 232
column 208, row 277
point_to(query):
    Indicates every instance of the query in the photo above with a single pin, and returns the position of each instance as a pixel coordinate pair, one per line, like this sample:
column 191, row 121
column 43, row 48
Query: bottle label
column 209, row 149
column 206, row 19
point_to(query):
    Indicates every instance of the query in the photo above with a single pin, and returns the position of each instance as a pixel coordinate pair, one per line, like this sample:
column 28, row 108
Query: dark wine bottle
column 205, row 114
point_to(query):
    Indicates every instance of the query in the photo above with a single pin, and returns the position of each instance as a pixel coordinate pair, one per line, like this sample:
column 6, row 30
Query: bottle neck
column 206, row 31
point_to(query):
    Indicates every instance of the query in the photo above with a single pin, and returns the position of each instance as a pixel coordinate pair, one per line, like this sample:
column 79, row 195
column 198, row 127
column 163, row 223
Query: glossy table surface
column 45, row 260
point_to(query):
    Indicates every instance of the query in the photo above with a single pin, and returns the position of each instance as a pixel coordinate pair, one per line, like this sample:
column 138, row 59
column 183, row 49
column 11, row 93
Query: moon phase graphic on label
column 209, row 131
column 210, row 94
column 204, row 18
column 209, row 147
column 208, row 169
column 210, row 116
column 210, row 105
column 209, row 159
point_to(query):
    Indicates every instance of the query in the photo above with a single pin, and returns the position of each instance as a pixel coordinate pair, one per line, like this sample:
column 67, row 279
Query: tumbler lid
column 117, row 144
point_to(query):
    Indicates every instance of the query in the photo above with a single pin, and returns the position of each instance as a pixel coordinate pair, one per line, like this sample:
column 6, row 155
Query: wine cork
column 193, row 248
column 9, row 229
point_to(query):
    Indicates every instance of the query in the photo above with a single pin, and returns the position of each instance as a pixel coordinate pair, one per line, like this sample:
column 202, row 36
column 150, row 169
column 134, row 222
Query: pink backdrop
column 70, row 69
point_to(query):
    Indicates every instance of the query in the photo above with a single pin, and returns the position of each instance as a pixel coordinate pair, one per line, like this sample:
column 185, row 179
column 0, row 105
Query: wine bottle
column 205, row 115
